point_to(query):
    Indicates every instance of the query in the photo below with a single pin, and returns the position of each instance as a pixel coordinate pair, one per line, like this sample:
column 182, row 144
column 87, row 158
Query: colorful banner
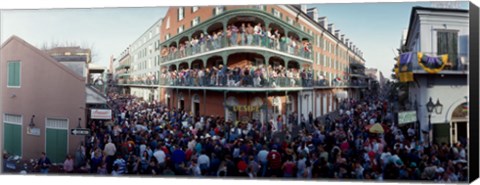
column 405, row 67
column 430, row 64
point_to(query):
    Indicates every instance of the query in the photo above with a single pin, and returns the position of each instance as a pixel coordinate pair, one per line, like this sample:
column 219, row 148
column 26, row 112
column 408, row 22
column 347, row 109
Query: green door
column 56, row 146
column 12, row 139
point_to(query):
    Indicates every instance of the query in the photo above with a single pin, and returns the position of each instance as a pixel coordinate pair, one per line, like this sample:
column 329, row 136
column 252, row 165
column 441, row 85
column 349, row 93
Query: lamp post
column 79, row 121
column 438, row 107
column 31, row 125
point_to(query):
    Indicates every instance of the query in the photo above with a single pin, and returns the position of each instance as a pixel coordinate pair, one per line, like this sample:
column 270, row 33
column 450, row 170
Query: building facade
column 41, row 101
column 139, row 65
column 435, row 32
column 260, row 62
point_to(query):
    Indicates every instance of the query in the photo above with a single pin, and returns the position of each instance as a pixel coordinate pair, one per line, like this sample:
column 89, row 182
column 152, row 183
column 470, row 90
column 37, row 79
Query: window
column 181, row 13
column 447, row 43
column 168, row 23
column 13, row 74
column 218, row 10
column 180, row 29
column 318, row 58
column 157, row 30
column 276, row 13
column 195, row 21
column 289, row 20
column 194, row 9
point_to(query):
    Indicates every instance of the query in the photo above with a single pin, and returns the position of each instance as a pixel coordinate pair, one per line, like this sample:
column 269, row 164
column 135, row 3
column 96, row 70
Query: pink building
column 34, row 83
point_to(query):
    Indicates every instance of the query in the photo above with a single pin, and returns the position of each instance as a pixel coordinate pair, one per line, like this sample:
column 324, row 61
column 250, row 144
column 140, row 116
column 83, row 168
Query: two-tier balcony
column 218, row 35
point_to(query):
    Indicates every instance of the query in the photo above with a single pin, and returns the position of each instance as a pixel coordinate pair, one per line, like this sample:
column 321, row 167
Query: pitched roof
column 43, row 54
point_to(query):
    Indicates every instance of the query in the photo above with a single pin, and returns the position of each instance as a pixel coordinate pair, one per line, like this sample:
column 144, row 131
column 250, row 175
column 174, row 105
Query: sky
column 375, row 28
column 109, row 30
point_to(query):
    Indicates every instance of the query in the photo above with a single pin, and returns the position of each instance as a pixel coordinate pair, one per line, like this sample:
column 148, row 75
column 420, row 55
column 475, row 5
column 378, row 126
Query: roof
column 417, row 8
column 297, row 8
column 43, row 54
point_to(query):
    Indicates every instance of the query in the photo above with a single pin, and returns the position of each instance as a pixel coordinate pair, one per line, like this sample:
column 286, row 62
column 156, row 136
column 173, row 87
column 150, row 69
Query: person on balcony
column 276, row 38
column 164, row 52
column 215, row 40
column 201, row 76
column 250, row 32
column 202, row 41
column 257, row 31
column 234, row 30
column 182, row 50
column 271, row 38
column 243, row 35
column 229, row 36
column 221, row 37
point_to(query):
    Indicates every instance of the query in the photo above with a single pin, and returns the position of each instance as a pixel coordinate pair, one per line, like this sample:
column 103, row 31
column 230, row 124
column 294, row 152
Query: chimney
column 304, row 8
column 351, row 44
column 342, row 38
column 346, row 42
column 323, row 22
column 330, row 28
column 337, row 34
column 312, row 13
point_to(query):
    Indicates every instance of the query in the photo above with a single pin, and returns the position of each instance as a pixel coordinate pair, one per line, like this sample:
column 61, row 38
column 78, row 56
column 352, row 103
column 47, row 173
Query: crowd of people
column 152, row 139
column 247, row 34
column 247, row 76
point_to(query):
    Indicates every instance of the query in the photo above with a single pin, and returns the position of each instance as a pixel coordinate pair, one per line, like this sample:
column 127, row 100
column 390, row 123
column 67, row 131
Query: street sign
column 407, row 117
column 80, row 131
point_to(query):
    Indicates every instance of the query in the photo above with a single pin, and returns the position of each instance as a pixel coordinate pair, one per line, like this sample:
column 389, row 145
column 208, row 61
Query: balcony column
column 224, row 39
column 205, row 101
column 267, row 65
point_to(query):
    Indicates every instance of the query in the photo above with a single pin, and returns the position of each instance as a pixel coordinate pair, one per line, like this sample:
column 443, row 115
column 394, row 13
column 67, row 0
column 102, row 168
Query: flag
column 405, row 67
column 431, row 64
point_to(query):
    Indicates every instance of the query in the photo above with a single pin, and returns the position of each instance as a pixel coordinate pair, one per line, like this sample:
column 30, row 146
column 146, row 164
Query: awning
column 341, row 95
column 94, row 97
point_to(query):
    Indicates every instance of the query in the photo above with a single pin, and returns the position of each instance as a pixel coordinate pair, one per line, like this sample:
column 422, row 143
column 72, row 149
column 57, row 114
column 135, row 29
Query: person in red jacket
column 274, row 162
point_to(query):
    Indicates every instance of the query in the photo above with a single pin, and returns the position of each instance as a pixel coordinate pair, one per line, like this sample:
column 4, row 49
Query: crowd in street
column 152, row 139
column 247, row 34
column 247, row 76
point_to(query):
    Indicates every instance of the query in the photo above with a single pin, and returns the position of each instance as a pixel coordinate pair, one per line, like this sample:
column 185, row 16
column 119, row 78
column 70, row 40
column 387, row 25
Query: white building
column 144, row 69
column 437, row 31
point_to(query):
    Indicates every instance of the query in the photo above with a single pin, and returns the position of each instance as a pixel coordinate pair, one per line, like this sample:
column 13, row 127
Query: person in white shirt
column 110, row 148
column 203, row 161
column 159, row 154
column 257, row 31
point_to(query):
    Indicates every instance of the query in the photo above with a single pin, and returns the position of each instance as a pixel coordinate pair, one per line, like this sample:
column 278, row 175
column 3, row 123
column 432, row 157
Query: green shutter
column 13, row 73
column 12, row 139
column 56, row 145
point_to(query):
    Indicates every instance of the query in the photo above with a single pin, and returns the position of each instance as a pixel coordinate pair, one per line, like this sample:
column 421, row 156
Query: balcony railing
column 123, row 66
column 241, row 82
column 457, row 63
column 223, row 42
column 140, row 82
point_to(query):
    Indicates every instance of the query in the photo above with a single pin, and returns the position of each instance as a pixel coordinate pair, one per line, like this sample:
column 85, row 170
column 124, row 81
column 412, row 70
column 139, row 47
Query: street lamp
column 79, row 120
column 438, row 107
column 31, row 125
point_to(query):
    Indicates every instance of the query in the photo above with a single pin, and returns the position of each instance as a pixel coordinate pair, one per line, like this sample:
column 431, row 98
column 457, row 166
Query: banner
column 430, row 64
column 405, row 73
column 407, row 117
column 101, row 114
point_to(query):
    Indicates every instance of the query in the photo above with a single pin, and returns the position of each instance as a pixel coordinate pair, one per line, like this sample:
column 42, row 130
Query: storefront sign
column 101, row 114
column 407, row 117
column 33, row 131
column 246, row 108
